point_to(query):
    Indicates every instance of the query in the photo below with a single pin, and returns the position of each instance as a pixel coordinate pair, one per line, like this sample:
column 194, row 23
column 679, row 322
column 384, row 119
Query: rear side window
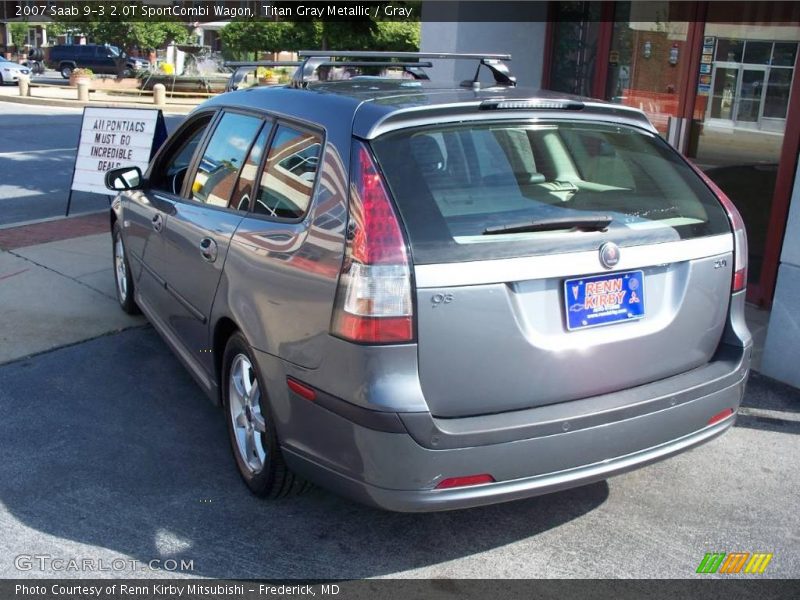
column 451, row 184
column 289, row 174
column 223, row 157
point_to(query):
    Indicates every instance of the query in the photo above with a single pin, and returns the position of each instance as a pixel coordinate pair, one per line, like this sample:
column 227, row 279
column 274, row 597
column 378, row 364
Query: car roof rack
column 241, row 67
column 314, row 59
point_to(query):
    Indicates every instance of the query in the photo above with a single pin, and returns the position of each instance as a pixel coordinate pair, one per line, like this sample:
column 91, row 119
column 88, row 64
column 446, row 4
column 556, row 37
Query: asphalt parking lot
column 110, row 451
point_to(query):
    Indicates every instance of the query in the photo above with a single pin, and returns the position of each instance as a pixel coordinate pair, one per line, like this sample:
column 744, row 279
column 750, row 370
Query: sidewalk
column 65, row 96
column 57, row 286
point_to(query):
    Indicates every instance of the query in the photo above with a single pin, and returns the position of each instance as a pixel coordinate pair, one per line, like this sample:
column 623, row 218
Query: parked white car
column 11, row 71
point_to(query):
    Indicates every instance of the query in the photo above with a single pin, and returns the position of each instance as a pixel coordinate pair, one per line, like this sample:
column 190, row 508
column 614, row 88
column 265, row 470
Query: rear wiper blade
column 584, row 223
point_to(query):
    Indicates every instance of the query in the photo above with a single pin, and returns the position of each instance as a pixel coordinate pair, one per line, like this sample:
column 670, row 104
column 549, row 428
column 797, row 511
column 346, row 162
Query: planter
column 74, row 80
column 124, row 83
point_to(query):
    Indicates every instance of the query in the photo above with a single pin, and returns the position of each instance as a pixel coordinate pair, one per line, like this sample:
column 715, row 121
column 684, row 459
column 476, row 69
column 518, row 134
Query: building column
column 782, row 348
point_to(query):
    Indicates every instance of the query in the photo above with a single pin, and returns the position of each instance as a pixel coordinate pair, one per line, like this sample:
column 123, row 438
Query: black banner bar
column 733, row 588
column 200, row 11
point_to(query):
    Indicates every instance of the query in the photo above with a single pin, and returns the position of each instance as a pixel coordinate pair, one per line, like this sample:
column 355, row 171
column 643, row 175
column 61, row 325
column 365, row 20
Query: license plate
column 604, row 299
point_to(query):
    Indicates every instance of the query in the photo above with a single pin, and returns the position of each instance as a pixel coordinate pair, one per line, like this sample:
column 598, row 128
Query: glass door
column 750, row 97
column 725, row 84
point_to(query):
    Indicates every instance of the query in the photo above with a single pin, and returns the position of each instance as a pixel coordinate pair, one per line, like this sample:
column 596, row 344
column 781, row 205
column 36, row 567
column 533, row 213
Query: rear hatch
column 555, row 260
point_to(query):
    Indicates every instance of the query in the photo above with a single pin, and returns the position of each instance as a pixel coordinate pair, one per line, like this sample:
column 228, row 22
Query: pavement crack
column 78, row 281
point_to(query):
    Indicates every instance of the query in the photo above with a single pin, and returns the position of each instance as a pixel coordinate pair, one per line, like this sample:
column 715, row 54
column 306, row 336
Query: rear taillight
column 739, row 233
column 373, row 301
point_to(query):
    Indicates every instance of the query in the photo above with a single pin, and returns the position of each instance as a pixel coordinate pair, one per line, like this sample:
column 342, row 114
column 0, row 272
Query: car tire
column 251, row 430
column 1, row 80
column 127, row 72
column 66, row 71
column 122, row 273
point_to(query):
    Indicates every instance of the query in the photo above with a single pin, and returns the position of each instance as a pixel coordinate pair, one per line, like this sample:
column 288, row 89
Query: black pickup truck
column 100, row 59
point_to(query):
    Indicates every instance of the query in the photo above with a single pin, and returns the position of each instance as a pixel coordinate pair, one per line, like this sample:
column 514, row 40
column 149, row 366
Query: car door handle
column 158, row 221
column 208, row 249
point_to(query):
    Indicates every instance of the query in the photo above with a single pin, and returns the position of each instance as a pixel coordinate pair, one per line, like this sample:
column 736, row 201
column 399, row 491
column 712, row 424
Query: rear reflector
column 454, row 482
column 720, row 416
column 301, row 390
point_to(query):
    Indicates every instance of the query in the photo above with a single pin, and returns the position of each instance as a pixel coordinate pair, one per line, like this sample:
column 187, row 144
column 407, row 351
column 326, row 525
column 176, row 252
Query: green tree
column 242, row 38
column 397, row 36
column 141, row 34
column 19, row 34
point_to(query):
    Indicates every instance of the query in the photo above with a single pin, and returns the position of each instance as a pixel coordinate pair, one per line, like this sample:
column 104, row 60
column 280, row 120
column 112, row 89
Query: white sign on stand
column 111, row 138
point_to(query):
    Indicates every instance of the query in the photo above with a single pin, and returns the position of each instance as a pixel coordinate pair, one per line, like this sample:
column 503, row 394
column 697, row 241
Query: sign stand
column 111, row 138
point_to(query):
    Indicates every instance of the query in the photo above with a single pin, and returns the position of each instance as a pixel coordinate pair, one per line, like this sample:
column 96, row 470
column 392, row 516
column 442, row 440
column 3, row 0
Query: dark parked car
column 100, row 59
column 428, row 296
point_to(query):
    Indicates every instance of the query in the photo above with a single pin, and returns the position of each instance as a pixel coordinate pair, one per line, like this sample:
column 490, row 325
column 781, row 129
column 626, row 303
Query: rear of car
column 534, row 300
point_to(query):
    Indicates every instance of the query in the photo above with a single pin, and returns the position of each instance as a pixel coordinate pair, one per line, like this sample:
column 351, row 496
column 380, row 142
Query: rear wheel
column 122, row 273
column 66, row 71
column 252, row 434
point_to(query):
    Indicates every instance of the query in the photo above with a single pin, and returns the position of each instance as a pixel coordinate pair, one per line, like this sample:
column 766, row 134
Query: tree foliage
column 19, row 34
column 245, row 39
column 141, row 34
column 123, row 34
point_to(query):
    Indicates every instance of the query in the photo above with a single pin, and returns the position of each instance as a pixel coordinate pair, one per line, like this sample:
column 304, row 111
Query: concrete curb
column 182, row 109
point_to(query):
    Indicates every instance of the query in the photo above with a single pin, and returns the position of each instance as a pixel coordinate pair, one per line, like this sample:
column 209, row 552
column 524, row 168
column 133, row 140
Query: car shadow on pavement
column 770, row 405
column 111, row 445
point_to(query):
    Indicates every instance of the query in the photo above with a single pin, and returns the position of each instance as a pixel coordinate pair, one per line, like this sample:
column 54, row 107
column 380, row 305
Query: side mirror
column 124, row 178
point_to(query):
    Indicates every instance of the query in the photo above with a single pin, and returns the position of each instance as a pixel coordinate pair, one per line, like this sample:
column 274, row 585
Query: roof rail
column 262, row 63
column 314, row 59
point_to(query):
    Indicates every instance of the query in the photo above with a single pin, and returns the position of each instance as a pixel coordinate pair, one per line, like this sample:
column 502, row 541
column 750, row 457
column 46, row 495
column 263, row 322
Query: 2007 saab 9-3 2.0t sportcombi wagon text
column 429, row 296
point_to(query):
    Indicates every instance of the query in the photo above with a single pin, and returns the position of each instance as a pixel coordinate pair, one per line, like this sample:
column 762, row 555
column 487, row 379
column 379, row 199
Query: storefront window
column 736, row 137
column 575, row 47
column 648, row 49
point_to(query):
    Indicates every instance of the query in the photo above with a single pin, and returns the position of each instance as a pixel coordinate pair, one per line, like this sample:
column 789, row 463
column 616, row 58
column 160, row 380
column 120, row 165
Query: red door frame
column 763, row 292
column 604, row 36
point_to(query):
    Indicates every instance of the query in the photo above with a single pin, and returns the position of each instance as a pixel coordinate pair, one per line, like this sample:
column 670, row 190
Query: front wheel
column 253, row 438
column 66, row 71
column 122, row 273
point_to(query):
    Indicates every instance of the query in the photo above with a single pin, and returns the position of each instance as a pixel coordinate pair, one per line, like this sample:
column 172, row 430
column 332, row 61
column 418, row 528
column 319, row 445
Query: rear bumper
column 429, row 500
column 393, row 469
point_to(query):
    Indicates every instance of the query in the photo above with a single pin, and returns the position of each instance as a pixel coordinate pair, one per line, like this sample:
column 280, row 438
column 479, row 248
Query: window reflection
column 288, row 179
column 216, row 173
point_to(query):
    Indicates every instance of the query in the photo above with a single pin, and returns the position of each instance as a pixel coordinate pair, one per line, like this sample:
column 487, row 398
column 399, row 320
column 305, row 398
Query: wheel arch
column 224, row 328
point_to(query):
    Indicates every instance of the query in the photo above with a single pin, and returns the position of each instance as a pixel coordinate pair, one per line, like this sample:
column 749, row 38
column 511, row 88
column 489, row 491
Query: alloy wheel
column 244, row 405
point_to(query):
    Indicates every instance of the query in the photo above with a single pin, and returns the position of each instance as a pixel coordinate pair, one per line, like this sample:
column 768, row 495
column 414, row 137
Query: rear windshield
column 452, row 184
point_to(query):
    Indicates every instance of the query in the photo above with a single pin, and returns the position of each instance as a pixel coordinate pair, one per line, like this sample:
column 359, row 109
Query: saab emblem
column 609, row 255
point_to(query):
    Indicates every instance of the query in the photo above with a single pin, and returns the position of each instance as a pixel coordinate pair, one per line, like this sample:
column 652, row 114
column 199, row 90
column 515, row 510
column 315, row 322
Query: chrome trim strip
column 568, row 264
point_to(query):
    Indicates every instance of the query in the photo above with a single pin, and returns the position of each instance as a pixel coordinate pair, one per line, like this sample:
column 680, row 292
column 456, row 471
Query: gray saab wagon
column 428, row 296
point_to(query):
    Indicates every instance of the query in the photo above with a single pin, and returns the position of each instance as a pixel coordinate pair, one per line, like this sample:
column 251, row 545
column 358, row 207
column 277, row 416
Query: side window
column 288, row 178
column 170, row 171
column 243, row 194
column 224, row 156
